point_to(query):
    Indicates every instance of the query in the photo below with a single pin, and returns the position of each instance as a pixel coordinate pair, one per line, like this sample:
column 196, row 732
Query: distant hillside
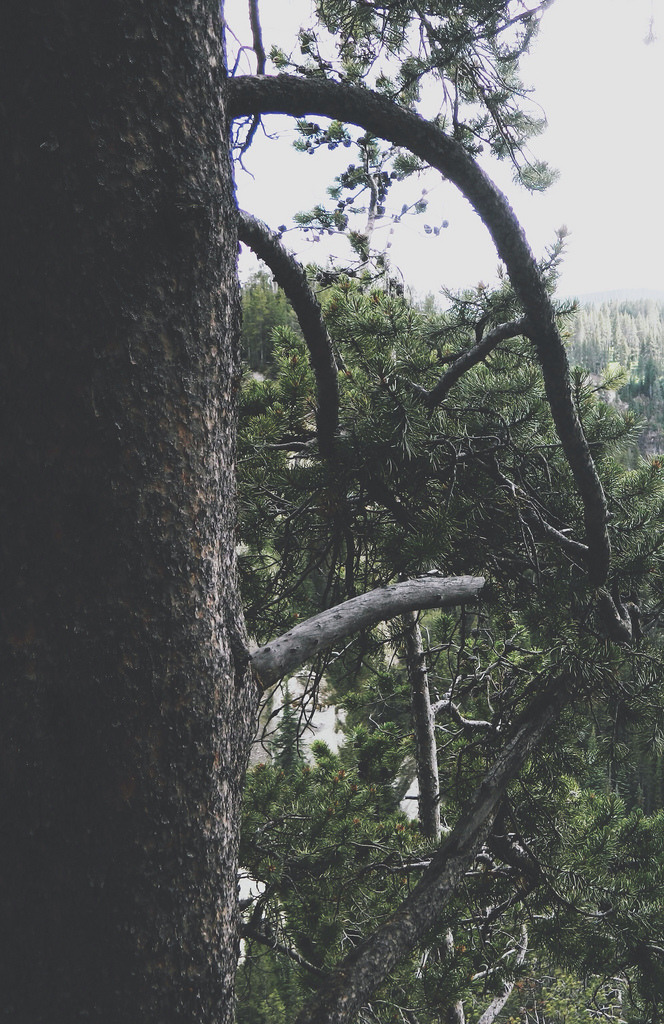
column 618, row 295
column 628, row 332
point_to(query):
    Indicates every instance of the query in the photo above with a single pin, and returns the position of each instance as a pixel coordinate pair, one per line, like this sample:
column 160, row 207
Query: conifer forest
column 333, row 614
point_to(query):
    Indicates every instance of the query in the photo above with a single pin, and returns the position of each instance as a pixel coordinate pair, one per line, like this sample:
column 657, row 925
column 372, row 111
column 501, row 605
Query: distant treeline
column 628, row 333
column 264, row 308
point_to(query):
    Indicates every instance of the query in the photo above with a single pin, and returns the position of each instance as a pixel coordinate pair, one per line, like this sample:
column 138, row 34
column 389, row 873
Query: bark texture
column 286, row 653
column 125, row 709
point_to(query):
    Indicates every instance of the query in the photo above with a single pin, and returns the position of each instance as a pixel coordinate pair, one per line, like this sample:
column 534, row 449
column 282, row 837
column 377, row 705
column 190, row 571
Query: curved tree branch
column 471, row 357
column 291, row 276
column 286, row 94
column 360, row 973
column 303, row 642
column 447, row 704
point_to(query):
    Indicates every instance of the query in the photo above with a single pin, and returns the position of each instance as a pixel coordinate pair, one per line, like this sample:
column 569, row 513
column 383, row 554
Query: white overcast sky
column 602, row 90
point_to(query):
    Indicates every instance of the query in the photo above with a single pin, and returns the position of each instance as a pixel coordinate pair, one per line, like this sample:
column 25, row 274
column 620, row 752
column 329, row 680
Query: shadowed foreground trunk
column 124, row 724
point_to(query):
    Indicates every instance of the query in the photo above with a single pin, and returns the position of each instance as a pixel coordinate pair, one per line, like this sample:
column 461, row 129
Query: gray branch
column 257, row 36
column 496, row 1005
column 456, row 1013
column 366, row 967
column 302, row 643
column 426, row 755
column 446, row 704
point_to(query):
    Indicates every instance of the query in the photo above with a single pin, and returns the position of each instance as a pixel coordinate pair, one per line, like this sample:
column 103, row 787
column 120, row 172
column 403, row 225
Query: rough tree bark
column 127, row 706
column 125, row 721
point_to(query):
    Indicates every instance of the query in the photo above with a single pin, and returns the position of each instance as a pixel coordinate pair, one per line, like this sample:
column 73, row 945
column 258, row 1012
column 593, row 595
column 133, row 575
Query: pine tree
column 129, row 689
column 429, row 496
column 264, row 307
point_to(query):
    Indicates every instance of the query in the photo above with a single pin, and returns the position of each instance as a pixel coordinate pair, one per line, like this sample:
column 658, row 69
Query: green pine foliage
column 264, row 308
column 327, row 852
column 412, row 488
column 625, row 340
column 554, row 996
column 562, row 908
column 467, row 54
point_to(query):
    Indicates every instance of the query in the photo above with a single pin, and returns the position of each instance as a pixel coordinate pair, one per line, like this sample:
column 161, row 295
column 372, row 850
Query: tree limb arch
column 300, row 644
column 291, row 276
column 287, row 94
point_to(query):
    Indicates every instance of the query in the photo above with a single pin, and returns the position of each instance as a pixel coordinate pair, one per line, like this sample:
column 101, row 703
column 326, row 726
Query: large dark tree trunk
column 124, row 719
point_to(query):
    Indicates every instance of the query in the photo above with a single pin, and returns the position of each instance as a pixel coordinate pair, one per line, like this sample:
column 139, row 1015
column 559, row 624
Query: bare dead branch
column 283, row 655
column 455, row 1013
column 365, row 968
column 259, row 51
column 426, row 756
column 496, row 1005
column 446, row 704
column 257, row 36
